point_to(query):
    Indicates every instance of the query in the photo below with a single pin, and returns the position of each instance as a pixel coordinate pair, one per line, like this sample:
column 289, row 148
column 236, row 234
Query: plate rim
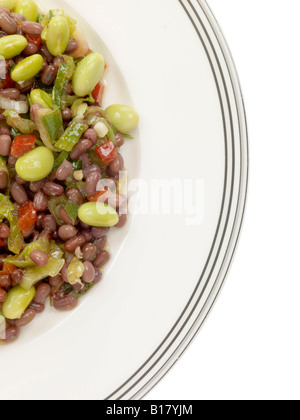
column 135, row 387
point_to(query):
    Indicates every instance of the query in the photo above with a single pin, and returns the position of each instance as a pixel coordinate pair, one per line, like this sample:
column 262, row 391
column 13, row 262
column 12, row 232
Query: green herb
column 71, row 136
column 60, row 159
column 72, row 210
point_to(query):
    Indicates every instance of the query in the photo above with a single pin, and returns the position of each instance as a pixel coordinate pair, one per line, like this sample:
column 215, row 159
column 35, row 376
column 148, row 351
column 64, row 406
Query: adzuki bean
column 89, row 252
column 101, row 259
column 52, row 189
column 3, row 180
column 42, row 293
column 72, row 45
column 81, row 147
column 5, row 280
column 3, row 295
column 64, row 171
column 39, row 257
column 72, row 244
column 11, row 334
column 89, row 272
column 18, row 193
column 67, row 232
column 27, row 317
column 8, row 24
column 40, row 201
column 5, row 143
column 4, row 231
column 31, row 28
column 49, row 223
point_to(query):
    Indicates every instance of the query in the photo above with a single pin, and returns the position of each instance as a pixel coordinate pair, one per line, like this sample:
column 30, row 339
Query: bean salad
column 60, row 164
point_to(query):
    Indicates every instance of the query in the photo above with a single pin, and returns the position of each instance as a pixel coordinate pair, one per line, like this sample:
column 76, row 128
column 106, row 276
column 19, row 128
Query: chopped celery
column 60, row 159
column 55, row 204
column 14, row 120
column 15, row 241
column 23, row 259
column 72, row 210
column 53, row 122
column 32, row 275
column 60, row 86
column 71, row 136
column 45, row 136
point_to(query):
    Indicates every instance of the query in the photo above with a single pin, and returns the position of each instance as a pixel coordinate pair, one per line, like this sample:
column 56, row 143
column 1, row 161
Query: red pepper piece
column 106, row 152
column 34, row 39
column 98, row 195
column 27, row 217
column 98, row 92
column 2, row 243
column 22, row 144
column 8, row 268
column 9, row 83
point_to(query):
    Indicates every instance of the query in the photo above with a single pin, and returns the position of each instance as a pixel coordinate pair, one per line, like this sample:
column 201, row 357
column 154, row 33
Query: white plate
column 169, row 59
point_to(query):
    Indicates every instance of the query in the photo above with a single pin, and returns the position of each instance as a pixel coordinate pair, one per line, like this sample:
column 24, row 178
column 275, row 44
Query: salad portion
column 60, row 164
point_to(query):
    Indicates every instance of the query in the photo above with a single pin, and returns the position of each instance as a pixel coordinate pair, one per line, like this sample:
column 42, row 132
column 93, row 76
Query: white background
column 249, row 347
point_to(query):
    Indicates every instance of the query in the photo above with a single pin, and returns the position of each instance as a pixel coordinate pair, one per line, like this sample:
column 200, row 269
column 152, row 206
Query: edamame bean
column 12, row 45
column 87, row 74
column 9, row 4
column 124, row 118
column 58, row 35
column 27, row 68
column 98, row 214
column 38, row 96
column 28, row 9
column 36, row 164
column 18, row 300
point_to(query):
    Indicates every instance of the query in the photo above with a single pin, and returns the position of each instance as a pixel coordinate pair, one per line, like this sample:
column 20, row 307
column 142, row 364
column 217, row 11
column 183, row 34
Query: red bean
column 4, row 130
column 119, row 140
column 10, row 93
column 67, row 232
column 27, row 317
column 5, row 143
column 46, row 54
column 89, row 251
column 99, row 232
column 91, row 168
column 3, row 180
column 75, row 196
column 72, row 244
column 69, row 90
column 36, row 186
column 72, row 45
column 49, row 223
column 20, row 181
column 17, row 276
column 3, row 295
column 81, row 147
column 19, row 194
column 17, row 17
column 85, row 160
column 39, row 257
column 65, row 217
column 116, row 166
column 91, row 135
column 98, row 276
column 8, row 24
column 12, row 160
column 42, row 293
column 89, row 272
column 101, row 259
column 87, row 234
column 11, row 334
column 30, row 49
column 91, row 183
column 37, row 307
column 49, row 75
column 122, row 221
column 31, row 28
column 66, row 114
column 40, row 201
column 55, row 281
column 64, row 171
column 52, row 189
column 4, row 231
column 65, row 303
column 100, row 244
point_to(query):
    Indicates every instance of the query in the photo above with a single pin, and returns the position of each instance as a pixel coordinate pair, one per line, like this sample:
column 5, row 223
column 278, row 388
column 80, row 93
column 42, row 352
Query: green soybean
column 12, row 45
column 58, row 35
column 10, row 4
column 98, row 215
column 28, row 68
column 27, row 8
column 88, row 73
column 124, row 118
column 18, row 300
column 39, row 96
column 35, row 165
